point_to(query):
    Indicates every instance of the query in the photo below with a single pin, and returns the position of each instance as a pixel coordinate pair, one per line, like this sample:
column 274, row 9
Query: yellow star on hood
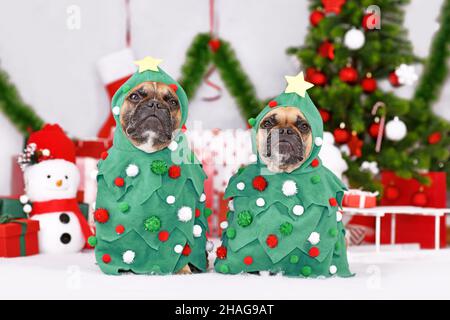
column 297, row 84
column 148, row 63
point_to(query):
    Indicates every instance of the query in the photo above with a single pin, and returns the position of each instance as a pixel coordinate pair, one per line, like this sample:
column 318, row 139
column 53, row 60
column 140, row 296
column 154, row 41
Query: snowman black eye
column 66, row 177
column 49, row 176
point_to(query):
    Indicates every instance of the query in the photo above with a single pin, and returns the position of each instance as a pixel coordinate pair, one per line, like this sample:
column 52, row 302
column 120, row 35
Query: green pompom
column 92, row 241
column 252, row 122
column 159, row 167
column 315, row 179
column 224, row 268
column 124, row 206
column 152, row 224
column 306, row 271
column 286, row 228
column 245, row 218
column 207, row 212
column 294, row 259
column 231, row 233
column 333, row 232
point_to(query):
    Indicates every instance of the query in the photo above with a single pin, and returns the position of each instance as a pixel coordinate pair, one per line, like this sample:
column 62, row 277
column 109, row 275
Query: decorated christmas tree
column 285, row 222
column 150, row 210
column 351, row 47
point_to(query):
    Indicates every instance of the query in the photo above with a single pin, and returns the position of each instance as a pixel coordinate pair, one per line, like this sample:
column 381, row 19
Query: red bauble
column 434, row 138
column 348, row 75
column 221, row 252
column 259, row 183
column 309, row 73
column 374, row 129
column 355, row 145
column 391, row 193
column 174, row 172
column 341, row 135
column 119, row 181
column 163, row 236
column 214, row 44
column 419, row 199
column 369, row 84
column 186, row 250
column 326, row 50
column 325, row 115
column 393, row 79
column 248, row 260
column 315, row 17
column 272, row 241
column 318, row 78
column 314, row 252
column 101, row 215
column 370, row 21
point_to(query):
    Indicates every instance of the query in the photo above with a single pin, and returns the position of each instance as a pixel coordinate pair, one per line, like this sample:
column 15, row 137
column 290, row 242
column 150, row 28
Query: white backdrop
column 55, row 67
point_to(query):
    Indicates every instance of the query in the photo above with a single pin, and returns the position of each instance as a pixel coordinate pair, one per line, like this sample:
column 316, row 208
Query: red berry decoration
column 341, row 135
column 163, row 236
column 434, row 138
column 391, row 193
column 259, row 183
column 101, row 215
column 214, row 44
column 272, row 241
column 325, row 115
column 174, row 172
column 248, row 260
column 186, row 250
column 104, row 155
column 315, row 163
column 314, row 252
column 348, row 75
column 369, row 84
column 374, row 129
column 119, row 181
column 420, row 199
column 120, row 229
column 315, row 17
column 333, row 202
column 272, row 103
column 221, row 252
column 106, row 258
column 326, row 50
column 393, row 79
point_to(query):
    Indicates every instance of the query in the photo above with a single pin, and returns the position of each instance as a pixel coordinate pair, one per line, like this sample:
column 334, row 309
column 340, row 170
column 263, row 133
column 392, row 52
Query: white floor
column 395, row 273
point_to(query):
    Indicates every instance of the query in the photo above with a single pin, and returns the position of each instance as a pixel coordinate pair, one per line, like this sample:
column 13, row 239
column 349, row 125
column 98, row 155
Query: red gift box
column 354, row 198
column 18, row 237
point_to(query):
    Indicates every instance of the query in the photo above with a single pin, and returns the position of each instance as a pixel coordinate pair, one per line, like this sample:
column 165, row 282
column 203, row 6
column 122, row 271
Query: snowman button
column 65, row 238
column 64, row 218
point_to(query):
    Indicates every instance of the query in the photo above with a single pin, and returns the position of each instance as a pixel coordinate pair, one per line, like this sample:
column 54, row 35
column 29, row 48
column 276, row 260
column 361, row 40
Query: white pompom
column 173, row 146
column 209, row 246
column 23, row 199
column 170, row 199
column 240, row 186
column 260, row 202
column 27, row 208
column 318, row 141
column 178, row 248
column 314, row 238
column 203, row 197
column 197, row 230
column 338, row 216
column 224, row 225
column 333, row 269
column 231, row 205
column 184, row 214
column 116, row 110
column 128, row 256
column 354, row 39
column 253, row 158
column 298, row 210
column 289, row 188
column 132, row 170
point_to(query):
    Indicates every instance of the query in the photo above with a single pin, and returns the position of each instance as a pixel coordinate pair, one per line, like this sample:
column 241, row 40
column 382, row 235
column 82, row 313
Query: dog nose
column 285, row 131
column 153, row 104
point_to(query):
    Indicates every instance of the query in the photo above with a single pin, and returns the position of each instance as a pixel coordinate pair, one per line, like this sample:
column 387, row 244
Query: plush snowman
column 51, row 183
column 332, row 157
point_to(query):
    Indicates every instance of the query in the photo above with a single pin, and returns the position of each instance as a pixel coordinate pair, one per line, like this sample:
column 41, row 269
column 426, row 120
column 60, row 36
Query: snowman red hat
column 51, row 184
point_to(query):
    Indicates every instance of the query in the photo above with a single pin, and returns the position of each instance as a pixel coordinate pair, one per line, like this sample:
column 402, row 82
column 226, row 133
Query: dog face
column 149, row 116
column 284, row 139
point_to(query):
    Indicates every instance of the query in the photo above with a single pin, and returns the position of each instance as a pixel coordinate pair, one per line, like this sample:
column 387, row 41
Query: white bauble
column 354, row 39
column 395, row 129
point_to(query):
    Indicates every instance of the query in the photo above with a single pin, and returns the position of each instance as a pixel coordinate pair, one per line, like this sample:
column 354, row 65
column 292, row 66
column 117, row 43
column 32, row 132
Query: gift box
column 18, row 237
column 92, row 148
column 12, row 207
column 355, row 198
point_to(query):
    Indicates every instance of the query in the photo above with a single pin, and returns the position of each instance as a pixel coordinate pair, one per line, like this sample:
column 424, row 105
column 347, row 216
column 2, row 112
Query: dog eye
column 304, row 127
column 267, row 124
column 173, row 102
column 134, row 97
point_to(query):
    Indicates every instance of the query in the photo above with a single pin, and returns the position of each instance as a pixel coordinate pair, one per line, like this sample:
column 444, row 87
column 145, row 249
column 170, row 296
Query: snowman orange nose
column 59, row 183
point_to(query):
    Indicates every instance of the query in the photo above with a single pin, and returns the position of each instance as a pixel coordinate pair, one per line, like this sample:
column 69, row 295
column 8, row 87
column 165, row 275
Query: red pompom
column 101, row 215
column 119, row 181
column 369, row 84
column 106, row 258
column 183, row 128
column 272, row 103
column 341, row 135
column 420, row 199
column 315, row 17
column 315, row 163
column 197, row 212
column 391, row 193
column 348, row 75
column 333, row 202
column 248, row 260
column 259, row 183
column 393, row 79
column 374, row 129
column 434, row 138
column 221, row 252
column 173, row 86
column 120, row 229
column 174, row 172
column 104, row 155
column 272, row 241
column 325, row 115
column 163, row 236
column 214, row 44
column 186, row 250
column 326, row 50
column 314, row 252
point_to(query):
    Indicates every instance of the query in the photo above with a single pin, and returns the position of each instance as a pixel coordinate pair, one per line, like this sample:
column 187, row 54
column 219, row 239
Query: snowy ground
column 397, row 272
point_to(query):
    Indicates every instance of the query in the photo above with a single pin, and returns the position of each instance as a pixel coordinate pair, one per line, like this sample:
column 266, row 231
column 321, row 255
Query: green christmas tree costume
column 150, row 209
column 285, row 222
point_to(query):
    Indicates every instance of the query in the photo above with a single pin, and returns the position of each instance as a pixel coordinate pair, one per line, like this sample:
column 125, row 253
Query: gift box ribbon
column 9, row 219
